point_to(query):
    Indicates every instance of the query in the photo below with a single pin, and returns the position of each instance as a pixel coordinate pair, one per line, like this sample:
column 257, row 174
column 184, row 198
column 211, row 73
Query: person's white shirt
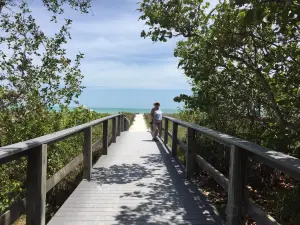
column 158, row 115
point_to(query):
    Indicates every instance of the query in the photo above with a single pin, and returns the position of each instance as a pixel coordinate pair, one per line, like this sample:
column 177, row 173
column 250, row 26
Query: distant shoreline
column 132, row 110
column 117, row 110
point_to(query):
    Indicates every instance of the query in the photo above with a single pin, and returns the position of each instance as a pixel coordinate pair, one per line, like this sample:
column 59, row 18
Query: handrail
column 281, row 161
column 36, row 152
column 238, row 203
column 13, row 149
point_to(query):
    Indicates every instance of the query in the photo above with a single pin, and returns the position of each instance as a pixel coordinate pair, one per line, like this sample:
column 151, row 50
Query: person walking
column 156, row 115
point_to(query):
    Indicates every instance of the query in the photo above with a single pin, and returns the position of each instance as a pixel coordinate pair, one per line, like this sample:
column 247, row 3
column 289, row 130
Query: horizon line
column 120, row 107
column 128, row 88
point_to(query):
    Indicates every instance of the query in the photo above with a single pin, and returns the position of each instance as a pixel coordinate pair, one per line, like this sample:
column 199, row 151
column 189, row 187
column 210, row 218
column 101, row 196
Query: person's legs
column 155, row 132
column 160, row 129
column 153, row 129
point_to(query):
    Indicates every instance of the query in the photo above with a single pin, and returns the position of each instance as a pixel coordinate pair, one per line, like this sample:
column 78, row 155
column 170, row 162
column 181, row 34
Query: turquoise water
column 132, row 99
column 117, row 110
column 132, row 110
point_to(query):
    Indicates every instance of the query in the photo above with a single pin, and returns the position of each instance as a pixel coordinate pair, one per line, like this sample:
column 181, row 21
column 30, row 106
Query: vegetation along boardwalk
column 137, row 182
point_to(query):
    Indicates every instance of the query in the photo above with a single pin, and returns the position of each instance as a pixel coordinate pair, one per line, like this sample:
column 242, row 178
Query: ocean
column 129, row 100
column 132, row 110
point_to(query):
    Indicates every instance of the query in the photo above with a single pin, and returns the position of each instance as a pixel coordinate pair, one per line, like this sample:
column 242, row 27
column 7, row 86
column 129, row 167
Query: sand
column 139, row 124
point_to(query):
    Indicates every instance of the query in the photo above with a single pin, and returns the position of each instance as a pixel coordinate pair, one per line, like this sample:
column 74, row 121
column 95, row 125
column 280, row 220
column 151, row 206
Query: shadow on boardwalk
column 165, row 197
column 120, row 174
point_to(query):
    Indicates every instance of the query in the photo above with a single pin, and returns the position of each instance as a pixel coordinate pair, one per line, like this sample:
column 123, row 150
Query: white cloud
column 119, row 38
column 125, row 75
column 115, row 54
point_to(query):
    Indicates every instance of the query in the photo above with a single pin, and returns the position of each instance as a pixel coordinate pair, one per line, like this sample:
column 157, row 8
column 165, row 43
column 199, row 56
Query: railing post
column 174, row 139
column 236, row 202
column 160, row 129
column 105, row 137
column 36, row 185
column 122, row 123
column 114, row 130
column 126, row 124
column 119, row 126
column 87, row 154
column 166, row 136
column 190, row 154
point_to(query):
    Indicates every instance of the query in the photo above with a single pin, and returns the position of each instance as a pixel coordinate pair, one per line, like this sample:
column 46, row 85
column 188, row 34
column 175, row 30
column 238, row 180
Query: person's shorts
column 157, row 124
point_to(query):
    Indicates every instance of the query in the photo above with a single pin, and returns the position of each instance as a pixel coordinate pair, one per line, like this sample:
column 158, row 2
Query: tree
column 55, row 6
column 35, row 72
column 34, row 67
column 35, row 75
column 243, row 61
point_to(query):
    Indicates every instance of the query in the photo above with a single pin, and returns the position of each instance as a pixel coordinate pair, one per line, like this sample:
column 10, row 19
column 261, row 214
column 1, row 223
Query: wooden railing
column 34, row 205
column 238, row 203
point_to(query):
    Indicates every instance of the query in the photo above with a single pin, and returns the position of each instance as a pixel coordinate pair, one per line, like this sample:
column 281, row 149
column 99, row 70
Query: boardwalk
column 139, row 181
column 136, row 183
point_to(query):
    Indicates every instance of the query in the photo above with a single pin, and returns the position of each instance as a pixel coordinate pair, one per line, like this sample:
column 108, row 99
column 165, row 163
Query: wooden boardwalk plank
column 136, row 183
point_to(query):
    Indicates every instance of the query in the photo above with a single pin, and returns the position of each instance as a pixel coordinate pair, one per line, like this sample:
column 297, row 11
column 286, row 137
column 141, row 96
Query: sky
column 116, row 57
column 130, row 98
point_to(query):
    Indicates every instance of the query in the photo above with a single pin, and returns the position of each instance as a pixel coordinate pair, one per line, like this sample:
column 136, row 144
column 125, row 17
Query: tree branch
column 266, row 86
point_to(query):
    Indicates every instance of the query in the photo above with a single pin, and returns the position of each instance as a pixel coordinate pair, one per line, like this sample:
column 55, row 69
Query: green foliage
column 13, row 174
column 55, row 6
column 35, row 76
column 130, row 116
column 287, row 205
column 243, row 63
column 148, row 119
column 236, row 61
column 181, row 133
column 35, row 71
column 167, row 19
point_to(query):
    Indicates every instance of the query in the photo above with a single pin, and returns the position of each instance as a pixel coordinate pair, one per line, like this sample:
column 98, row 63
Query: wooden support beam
column 174, row 139
column 126, row 124
column 119, row 126
column 190, row 153
column 160, row 129
column 36, row 185
column 105, row 137
column 87, row 154
column 122, row 123
column 114, row 130
column 236, row 204
column 166, row 137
